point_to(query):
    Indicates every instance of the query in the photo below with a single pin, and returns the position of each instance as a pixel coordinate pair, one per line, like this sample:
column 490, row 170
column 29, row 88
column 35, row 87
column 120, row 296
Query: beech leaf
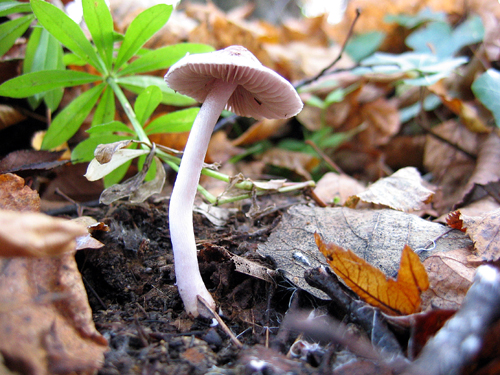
column 394, row 297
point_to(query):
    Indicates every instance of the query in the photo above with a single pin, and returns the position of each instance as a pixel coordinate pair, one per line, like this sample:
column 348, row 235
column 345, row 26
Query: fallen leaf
column 45, row 319
column 484, row 232
column 453, row 220
column 9, row 116
column 394, row 297
column 298, row 162
column 259, row 131
column 23, row 160
column 402, row 191
column 486, row 171
column 15, row 196
column 35, row 234
column 468, row 113
column 337, row 188
column 377, row 236
column 450, row 277
column 382, row 118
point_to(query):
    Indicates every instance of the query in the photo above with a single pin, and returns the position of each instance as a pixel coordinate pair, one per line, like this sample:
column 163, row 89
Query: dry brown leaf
column 15, row 196
column 382, row 119
column 25, row 160
column 298, row 162
column 45, row 319
column 450, row 276
column 334, row 186
column 401, row 191
column 377, row 236
column 9, row 116
column 453, row 220
column 259, row 131
column 467, row 112
column 35, row 234
column 450, row 167
column 487, row 170
column 221, row 149
column 484, row 232
column 394, row 297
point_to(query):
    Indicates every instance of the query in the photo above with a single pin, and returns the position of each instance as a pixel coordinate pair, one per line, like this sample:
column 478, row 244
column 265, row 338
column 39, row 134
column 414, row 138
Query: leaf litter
column 135, row 299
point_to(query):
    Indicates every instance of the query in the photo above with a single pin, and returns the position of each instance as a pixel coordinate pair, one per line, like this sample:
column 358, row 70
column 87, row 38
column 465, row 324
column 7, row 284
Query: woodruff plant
column 45, row 77
column 45, row 74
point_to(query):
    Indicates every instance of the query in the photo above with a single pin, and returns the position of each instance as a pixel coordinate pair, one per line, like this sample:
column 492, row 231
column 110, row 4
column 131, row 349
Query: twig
column 320, row 74
column 325, row 157
column 223, row 325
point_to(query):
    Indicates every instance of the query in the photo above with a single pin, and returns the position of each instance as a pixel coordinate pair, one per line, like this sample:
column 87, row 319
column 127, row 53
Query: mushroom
column 234, row 79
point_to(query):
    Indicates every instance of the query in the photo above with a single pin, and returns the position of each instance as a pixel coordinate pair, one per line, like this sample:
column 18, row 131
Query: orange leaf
column 394, row 297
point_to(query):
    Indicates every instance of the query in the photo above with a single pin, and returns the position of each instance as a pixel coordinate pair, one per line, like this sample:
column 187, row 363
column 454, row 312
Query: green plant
column 114, row 143
column 45, row 75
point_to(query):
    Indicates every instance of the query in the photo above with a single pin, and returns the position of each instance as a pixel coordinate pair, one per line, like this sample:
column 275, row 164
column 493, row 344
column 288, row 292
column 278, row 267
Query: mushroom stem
column 187, row 273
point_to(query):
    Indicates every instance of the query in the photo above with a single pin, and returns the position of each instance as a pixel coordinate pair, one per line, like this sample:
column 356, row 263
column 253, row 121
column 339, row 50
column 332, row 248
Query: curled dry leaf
column 35, row 234
column 401, row 191
column 394, row 297
column 453, row 220
column 104, row 153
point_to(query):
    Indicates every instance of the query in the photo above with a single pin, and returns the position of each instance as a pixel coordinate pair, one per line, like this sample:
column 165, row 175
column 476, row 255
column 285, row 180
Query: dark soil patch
column 131, row 288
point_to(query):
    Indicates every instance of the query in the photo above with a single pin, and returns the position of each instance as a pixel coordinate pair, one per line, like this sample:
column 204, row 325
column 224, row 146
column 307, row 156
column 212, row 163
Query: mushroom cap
column 261, row 92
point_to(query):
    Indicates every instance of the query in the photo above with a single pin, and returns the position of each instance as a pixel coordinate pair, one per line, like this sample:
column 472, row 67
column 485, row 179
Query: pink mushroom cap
column 261, row 92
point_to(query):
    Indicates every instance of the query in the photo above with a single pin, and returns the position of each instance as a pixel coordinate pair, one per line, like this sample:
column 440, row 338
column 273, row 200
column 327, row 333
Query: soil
column 131, row 288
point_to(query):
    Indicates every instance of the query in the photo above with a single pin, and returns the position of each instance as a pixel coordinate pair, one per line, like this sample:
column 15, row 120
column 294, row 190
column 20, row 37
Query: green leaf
column 37, row 82
column 364, row 45
column 84, row 151
column 110, row 127
column 105, row 111
column 315, row 101
column 44, row 52
column 67, row 32
column 163, row 57
column 67, row 122
column 143, row 27
column 10, row 7
column 444, row 41
column 100, row 24
column 72, row 59
column 137, row 84
column 487, row 89
column 175, row 122
column 146, row 103
column 11, row 30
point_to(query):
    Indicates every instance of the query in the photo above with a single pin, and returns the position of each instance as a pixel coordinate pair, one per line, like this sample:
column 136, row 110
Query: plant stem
column 141, row 134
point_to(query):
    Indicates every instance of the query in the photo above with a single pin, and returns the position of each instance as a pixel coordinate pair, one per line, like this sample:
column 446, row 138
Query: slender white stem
column 187, row 273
